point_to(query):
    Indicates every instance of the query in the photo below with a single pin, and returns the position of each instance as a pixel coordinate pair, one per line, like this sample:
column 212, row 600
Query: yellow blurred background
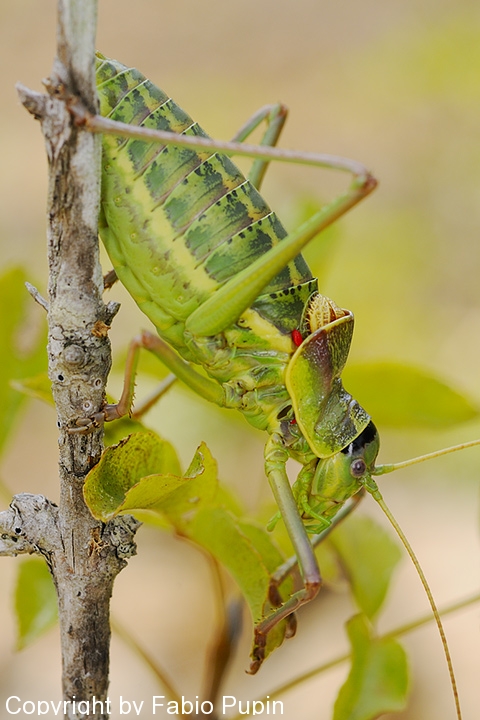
column 397, row 86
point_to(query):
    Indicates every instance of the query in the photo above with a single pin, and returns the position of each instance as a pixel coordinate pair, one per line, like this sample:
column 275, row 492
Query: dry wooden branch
column 83, row 554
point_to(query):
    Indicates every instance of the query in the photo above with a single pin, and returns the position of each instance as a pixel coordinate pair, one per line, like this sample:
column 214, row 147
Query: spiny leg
column 276, row 457
column 109, row 280
column 148, row 402
column 115, row 411
column 182, row 370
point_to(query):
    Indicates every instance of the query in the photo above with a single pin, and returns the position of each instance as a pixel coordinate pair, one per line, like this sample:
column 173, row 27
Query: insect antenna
column 390, row 467
column 378, row 497
column 372, row 488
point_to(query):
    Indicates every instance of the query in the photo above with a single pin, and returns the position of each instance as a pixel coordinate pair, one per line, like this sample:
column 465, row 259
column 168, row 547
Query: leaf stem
column 157, row 670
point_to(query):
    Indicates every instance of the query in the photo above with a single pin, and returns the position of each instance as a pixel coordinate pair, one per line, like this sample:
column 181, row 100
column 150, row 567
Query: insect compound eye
column 358, row 468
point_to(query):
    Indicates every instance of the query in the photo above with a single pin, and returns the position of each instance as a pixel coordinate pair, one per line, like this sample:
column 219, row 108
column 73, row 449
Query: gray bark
column 83, row 554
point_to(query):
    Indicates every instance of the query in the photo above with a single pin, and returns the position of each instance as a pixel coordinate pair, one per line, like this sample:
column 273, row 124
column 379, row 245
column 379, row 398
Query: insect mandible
column 224, row 284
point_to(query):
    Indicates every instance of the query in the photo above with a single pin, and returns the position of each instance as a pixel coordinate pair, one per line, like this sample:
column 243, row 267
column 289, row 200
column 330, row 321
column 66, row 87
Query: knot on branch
column 121, row 532
column 53, row 114
column 29, row 526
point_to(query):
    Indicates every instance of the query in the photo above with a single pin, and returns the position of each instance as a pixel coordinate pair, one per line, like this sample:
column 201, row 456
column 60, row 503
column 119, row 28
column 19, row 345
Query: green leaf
column 369, row 556
column 401, row 396
column 195, row 505
column 120, row 469
column 22, row 348
column 378, row 678
column 184, row 497
column 248, row 554
column 217, row 531
column 38, row 387
column 197, row 488
column 117, row 431
column 35, row 601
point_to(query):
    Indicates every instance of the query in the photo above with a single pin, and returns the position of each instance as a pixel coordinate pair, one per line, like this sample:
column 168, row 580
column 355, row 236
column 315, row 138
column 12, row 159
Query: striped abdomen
column 179, row 223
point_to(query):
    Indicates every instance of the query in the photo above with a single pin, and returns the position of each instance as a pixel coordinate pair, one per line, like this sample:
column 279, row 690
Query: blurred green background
column 395, row 85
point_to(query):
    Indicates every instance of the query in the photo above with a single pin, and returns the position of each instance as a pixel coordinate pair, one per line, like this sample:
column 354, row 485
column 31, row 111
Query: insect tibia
column 321, row 311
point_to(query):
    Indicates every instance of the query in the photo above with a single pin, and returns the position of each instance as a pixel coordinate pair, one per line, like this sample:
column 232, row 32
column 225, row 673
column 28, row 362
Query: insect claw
column 258, row 652
column 255, row 666
column 260, row 635
column 84, row 426
column 83, row 430
column 291, row 626
column 109, row 279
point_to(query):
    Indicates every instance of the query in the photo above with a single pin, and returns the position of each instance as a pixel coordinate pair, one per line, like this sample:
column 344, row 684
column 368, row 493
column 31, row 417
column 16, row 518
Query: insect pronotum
column 224, row 284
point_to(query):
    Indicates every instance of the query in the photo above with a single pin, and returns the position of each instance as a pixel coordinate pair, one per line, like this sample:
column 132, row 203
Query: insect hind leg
column 275, row 117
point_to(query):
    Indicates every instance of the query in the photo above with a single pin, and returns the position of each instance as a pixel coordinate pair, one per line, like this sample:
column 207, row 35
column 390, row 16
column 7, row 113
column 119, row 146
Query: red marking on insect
column 293, row 421
column 297, row 337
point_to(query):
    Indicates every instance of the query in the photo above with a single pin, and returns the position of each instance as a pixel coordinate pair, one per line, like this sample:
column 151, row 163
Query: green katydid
column 210, row 264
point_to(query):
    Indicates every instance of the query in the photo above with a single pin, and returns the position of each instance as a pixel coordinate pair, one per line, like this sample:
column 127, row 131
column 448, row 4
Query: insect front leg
column 276, row 456
column 179, row 368
column 289, row 565
column 301, row 492
column 115, row 411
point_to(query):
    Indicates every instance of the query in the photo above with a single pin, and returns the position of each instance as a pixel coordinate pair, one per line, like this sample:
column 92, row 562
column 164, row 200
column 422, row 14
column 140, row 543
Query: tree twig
column 84, row 555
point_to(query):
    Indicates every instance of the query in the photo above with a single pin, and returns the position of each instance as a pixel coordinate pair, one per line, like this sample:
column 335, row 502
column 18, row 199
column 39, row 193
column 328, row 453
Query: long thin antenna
column 372, row 488
column 390, row 467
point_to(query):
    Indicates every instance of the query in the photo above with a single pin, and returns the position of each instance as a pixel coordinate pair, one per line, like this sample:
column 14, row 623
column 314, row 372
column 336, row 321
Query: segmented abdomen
column 176, row 223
